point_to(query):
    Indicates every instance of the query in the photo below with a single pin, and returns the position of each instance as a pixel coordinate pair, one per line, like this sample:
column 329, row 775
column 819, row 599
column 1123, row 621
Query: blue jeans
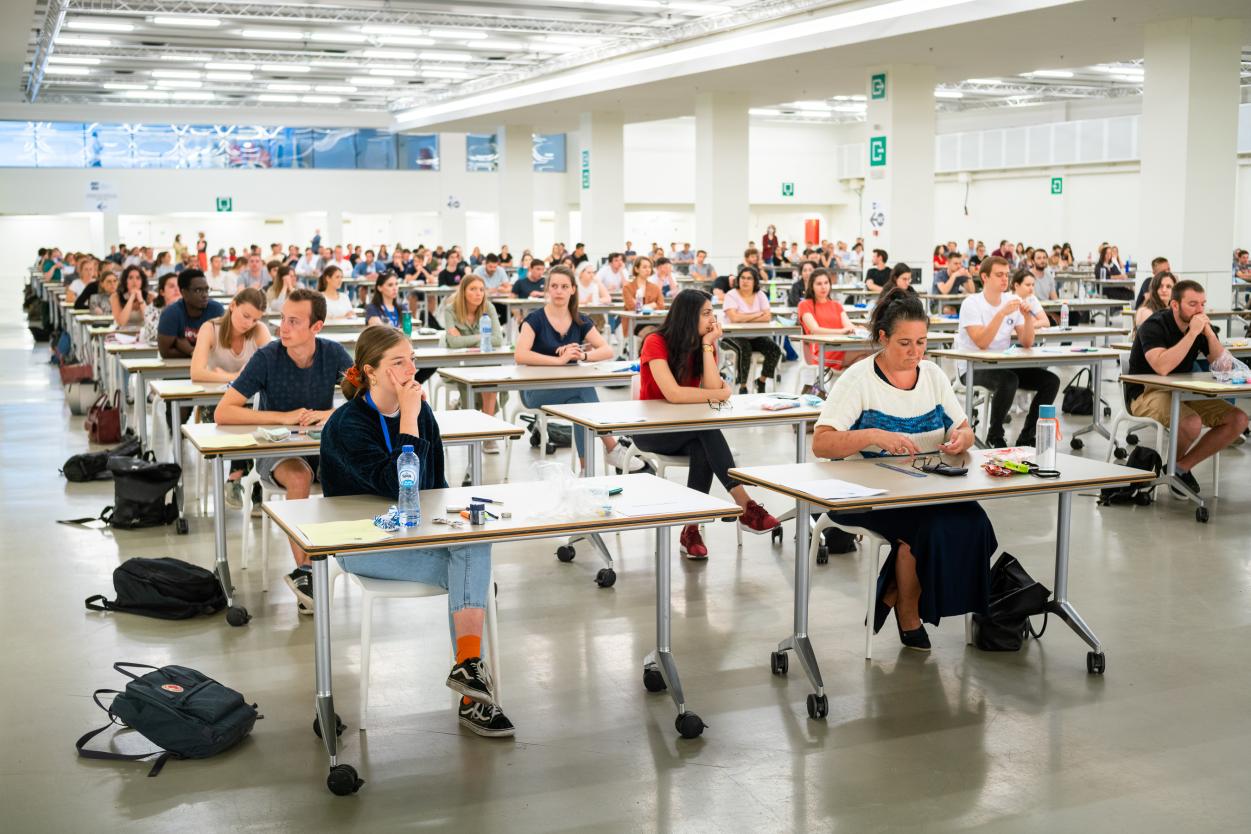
column 562, row 396
column 464, row 571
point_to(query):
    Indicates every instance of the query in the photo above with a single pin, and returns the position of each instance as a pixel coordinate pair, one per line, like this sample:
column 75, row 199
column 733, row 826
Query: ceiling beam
column 53, row 18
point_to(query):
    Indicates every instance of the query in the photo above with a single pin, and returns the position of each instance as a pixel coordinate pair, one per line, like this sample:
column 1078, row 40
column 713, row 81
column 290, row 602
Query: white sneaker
column 617, row 459
column 491, row 447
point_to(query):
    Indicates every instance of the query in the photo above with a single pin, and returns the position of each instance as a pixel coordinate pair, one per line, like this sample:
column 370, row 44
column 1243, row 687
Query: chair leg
column 367, row 626
column 265, row 553
column 246, row 528
column 493, row 641
column 871, row 592
column 968, row 629
column 1216, row 475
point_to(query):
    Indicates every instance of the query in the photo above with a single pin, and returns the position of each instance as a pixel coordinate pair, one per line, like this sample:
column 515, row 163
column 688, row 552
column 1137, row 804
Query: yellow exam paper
column 1211, row 386
column 343, row 532
column 226, row 441
column 189, row 388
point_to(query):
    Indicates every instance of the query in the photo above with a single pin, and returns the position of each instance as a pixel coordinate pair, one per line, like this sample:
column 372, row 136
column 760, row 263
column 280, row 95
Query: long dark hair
column 122, row 292
column 895, row 306
column 680, row 331
column 376, row 299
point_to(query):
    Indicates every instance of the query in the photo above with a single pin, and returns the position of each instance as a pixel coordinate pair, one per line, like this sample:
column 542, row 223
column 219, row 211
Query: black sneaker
column 997, row 441
column 472, row 679
column 301, row 584
column 257, row 497
column 760, row 386
column 1189, row 480
column 485, row 719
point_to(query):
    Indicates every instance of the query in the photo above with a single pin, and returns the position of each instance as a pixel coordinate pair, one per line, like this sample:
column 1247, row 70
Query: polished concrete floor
column 956, row 740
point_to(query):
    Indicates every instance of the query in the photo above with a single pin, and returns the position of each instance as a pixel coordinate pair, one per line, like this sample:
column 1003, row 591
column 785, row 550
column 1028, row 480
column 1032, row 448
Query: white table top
column 611, row 417
column 1032, row 356
column 1196, row 383
column 588, row 373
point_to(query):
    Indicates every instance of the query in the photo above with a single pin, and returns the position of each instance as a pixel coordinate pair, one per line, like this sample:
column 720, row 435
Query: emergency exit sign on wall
column 788, row 189
column 877, row 151
column 1057, row 185
column 225, row 204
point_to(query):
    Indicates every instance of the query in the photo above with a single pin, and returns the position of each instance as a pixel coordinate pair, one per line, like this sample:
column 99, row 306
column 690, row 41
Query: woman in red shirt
column 678, row 363
column 821, row 315
column 940, row 257
column 769, row 246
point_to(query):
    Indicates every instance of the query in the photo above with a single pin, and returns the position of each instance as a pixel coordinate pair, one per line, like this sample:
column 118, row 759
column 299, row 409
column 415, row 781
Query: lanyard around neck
column 382, row 421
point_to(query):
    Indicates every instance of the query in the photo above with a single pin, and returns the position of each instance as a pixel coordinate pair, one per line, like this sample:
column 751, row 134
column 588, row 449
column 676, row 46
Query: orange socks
column 468, row 646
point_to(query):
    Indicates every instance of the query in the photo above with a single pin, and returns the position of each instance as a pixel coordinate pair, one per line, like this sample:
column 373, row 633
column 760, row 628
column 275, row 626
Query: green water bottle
column 406, row 323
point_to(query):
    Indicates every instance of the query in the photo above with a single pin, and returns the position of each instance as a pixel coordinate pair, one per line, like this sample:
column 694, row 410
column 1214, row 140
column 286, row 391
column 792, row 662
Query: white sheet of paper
column 642, row 509
column 832, row 489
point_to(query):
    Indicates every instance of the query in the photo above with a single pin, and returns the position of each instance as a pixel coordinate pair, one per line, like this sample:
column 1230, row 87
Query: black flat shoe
column 916, row 639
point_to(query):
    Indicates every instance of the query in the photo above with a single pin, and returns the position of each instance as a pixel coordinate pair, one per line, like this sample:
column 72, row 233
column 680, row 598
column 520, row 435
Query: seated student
column 531, row 286
column 98, row 299
column 1168, row 343
column 88, row 272
column 700, row 268
column 591, row 291
column 1159, row 292
column 940, row 258
column 453, row 270
column 226, row 344
column 382, row 307
column 180, row 322
column 664, row 278
column 747, row 303
column 678, row 363
column 953, row 278
column 641, row 293
column 939, row 562
column 1022, row 286
column 820, row 314
column 461, row 318
column 1158, row 265
column 799, row 289
column 988, row 321
column 878, row 275
column 360, row 445
column 285, row 280
column 338, row 305
column 557, row 334
column 900, row 279
column 613, row 275
column 129, row 301
column 166, row 293
column 296, row 376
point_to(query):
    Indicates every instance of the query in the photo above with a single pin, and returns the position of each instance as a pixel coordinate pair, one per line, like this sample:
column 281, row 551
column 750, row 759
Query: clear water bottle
column 1064, row 315
column 1047, row 437
column 484, row 328
column 408, row 503
column 638, row 301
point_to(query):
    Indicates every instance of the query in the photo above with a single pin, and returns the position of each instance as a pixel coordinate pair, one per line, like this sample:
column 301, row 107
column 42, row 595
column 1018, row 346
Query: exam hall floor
column 959, row 739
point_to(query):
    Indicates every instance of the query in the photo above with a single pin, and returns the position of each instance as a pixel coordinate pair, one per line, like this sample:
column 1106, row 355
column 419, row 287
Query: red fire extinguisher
column 812, row 231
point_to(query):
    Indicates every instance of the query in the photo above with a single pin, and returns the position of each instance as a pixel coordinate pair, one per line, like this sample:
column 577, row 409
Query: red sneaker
column 756, row 519
column 691, row 543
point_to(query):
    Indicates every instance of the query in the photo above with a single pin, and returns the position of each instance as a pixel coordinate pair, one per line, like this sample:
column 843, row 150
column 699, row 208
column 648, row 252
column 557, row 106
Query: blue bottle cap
column 1047, row 412
column 408, row 449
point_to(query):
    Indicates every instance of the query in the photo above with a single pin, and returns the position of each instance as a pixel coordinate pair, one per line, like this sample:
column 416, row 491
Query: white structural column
column 452, row 221
column 516, row 188
column 722, row 204
column 1188, row 137
column 332, row 232
column 899, row 178
column 600, row 170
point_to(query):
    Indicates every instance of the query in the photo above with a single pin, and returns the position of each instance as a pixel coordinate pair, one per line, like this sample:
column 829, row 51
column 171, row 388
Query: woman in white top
column 1023, row 288
column 896, row 403
column 224, row 345
column 746, row 303
column 285, row 280
column 338, row 305
column 590, row 289
column 167, row 293
column 131, row 299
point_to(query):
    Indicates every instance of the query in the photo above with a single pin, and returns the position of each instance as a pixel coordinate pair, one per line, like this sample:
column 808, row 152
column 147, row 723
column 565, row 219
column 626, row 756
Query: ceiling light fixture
column 948, row 94
column 334, row 88
column 391, row 54
column 230, row 66
column 987, row 82
column 273, row 34
column 450, row 75
column 497, row 45
column 54, row 69
column 850, row 108
column 164, row 73
column 321, row 99
column 229, row 76
column 277, row 97
column 285, row 68
column 79, row 40
column 193, row 22
column 194, row 95
column 282, row 87
column 370, row 81
column 179, row 84
column 123, row 85
column 99, row 25
column 457, row 57
column 457, row 34
column 392, row 30
column 763, row 111
column 403, row 40
column 74, row 59
column 150, row 94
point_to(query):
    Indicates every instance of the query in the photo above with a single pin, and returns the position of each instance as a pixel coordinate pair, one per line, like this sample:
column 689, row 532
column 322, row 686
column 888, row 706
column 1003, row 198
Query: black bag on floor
column 94, row 466
column 184, row 712
column 164, row 588
column 1079, row 397
column 559, row 435
column 1140, row 457
column 140, row 485
column 1014, row 597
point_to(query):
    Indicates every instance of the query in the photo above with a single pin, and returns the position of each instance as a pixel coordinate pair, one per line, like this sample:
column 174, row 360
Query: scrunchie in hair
column 353, row 375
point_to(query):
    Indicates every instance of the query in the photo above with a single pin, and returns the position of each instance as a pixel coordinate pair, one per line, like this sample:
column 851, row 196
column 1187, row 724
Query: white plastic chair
column 269, row 491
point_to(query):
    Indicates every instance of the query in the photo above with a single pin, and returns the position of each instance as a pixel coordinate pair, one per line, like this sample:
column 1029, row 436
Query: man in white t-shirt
column 219, row 280
column 614, row 275
column 988, row 321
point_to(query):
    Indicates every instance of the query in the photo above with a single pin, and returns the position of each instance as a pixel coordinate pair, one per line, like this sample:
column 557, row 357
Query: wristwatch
column 709, row 348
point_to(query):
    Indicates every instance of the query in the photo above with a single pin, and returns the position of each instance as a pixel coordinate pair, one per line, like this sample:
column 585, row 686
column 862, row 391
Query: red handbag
column 104, row 420
column 76, row 372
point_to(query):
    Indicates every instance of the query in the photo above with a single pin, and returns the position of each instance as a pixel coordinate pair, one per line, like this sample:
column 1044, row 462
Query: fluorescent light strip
column 74, row 59
column 337, row 37
column 988, row 82
column 179, row 84
column 229, row 76
column 279, row 87
column 334, row 88
column 193, row 22
column 390, row 54
column 321, row 99
column 763, row 111
column 458, row 34
column 182, row 59
column 447, row 56
column 77, row 40
column 194, row 95
column 273, row 34
column 372, row 29
column 404, row 40
column 230, row 66
column 283, row 69
column 99, row 25
column 150, row 94
column 123, row 85
column 164, row 73
column 277, row 97
column 54, row 69
column 744, row 43
column 948, row 94
column 496, row 45
column 370, row 81
column 451, row 75
column 398, row 72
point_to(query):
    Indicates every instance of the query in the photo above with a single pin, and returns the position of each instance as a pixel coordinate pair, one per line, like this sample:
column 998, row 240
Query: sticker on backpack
column 171, row 687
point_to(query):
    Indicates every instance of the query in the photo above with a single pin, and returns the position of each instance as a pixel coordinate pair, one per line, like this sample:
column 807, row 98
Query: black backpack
column 140, row 485
column 168, row 589
column 1079, row 398
column 1015, row 596
column 184, row 712
column 94, row 466
column 1140, row 457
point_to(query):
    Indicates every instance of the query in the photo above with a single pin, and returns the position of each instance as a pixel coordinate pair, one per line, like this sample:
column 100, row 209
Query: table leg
column 175, row 441
column 801, row 442
column 324, row 703
column 588, row 439
column 141, row 410
column 661, row 660
column 968, row 403
column 1060, row 605
column 798, row 641
column 221, row 564
column 1096, row 415
column 475, row 462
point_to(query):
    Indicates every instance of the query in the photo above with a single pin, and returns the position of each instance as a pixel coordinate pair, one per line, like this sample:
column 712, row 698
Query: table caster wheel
column 1131, row 439
column 1201, row 515
column 181, row 526
column 565, row 553
column 818, row 707
column 606, row 578
column 776, row 535
column 653, row 681
column 823, row 555
column 1107, row 411
column 343, row 780
column 534, row 440
column 1095, row 663
column 689, row 725
column 779, row 663
column 1076, row 443
column 338, row 729
column 1120, row 453
column 549, row 449
column 237, row 615
column 1142, row 499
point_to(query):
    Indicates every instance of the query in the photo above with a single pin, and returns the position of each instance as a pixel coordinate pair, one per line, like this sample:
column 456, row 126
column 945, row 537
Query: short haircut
column 881, row 253
column 186, row 277
column 1155, row 262
column 315, row 298
column 492, row 258
column 701, row 252
column 661, row 262
column 987, row 264
column 612, row 255
column 579, row 246
column 749, row 251
column 1182, row 287
column 537, row 262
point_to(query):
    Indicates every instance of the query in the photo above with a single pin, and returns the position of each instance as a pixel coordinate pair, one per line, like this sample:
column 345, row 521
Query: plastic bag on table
column 1228, row 369
column 570, row 497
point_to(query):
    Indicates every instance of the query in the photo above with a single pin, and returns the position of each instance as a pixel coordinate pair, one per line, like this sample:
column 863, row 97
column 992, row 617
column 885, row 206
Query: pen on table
column 484, row 500
column 912, row 472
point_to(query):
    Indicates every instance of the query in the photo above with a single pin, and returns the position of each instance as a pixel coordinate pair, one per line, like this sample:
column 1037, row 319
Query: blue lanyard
column 382, row 421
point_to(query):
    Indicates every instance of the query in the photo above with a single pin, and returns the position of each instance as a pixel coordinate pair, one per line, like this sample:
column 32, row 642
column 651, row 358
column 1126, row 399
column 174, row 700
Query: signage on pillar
column 788, row 189
column 877, row 216
column 586, row 170
column 877, row 86
column 225, row 204
column 877, row 151
column 100, row 196
column 1057, row 185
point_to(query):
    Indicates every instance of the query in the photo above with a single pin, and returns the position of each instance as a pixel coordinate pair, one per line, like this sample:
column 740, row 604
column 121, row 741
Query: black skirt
column 952, row 544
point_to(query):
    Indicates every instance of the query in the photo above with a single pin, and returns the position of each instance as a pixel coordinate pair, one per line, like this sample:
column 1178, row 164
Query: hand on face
column 407, row 389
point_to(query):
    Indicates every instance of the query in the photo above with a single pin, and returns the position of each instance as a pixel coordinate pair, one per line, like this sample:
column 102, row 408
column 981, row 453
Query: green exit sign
column 225, row 204
column 788, row 189
column 1057, row 185
column 877, row 151
column 877, row 86
column 586, row 170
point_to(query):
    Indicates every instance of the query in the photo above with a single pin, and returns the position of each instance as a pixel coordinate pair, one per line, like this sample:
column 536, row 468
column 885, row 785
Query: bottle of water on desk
column 484, row 327
column 1064, row 315
column 1047, row 437
column 408, row 504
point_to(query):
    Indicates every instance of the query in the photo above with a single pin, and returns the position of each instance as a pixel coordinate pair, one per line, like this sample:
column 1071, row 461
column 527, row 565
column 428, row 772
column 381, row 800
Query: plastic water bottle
column 1064, row 315
column 408, row 504
column 1047, row 437
column 406, row 323
column 484, row 328
column 638, row 301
